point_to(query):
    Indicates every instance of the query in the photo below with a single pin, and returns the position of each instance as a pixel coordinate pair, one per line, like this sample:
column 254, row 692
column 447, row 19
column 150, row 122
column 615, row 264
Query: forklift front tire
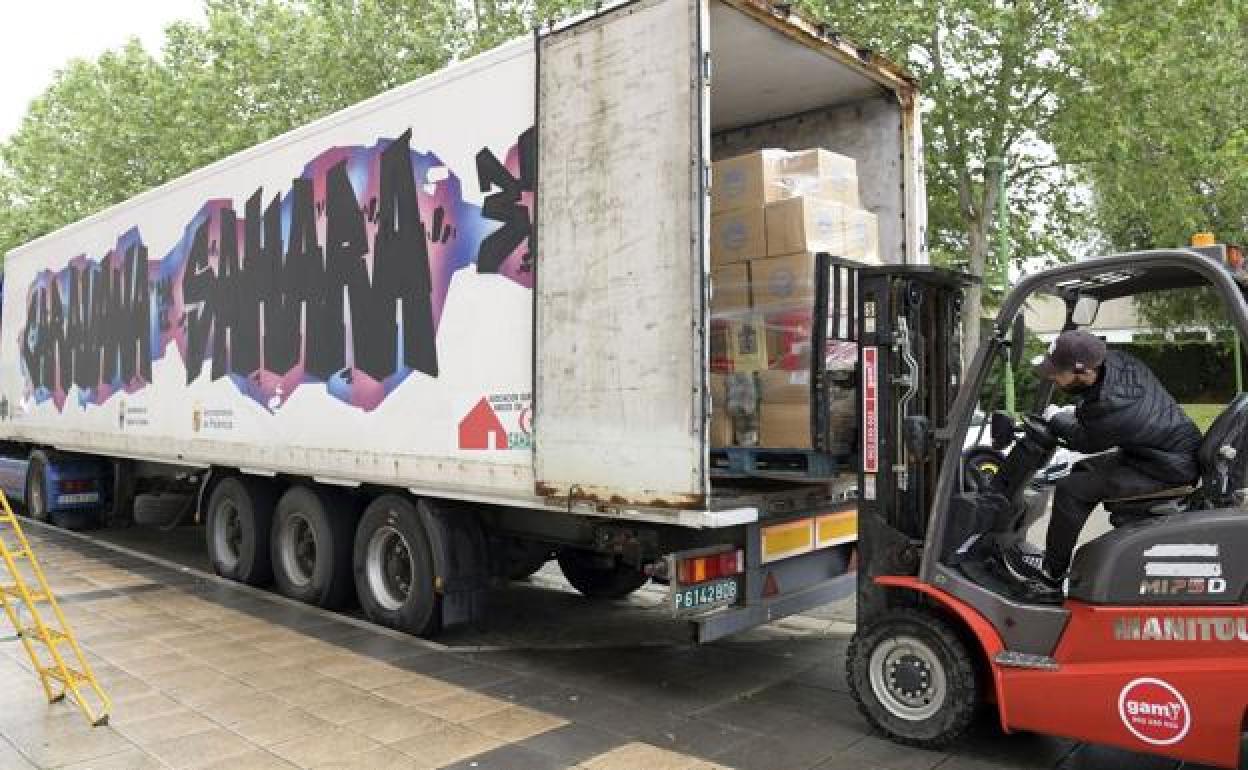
column 913, row 678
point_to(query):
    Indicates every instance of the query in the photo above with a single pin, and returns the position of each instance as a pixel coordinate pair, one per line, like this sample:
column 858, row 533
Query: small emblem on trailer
column 498, row 421
column 1154, row 711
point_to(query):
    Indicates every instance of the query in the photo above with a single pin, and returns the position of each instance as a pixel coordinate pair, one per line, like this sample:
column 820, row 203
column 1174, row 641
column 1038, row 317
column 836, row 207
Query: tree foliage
column 993, row 75
column 1160, row 125
column 108, row 129
column 94, row 137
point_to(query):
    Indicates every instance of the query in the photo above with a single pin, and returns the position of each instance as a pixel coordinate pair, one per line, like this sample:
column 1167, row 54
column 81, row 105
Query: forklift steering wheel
column 1037, row 428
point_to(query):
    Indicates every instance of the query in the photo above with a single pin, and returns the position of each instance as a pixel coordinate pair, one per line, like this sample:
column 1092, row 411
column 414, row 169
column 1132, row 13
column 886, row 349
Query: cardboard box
column 783, row 283
column 721, row 420
column 787, row 425
column 788, row 337
column 737, row 183
column 784, row 426
column 784, row 387
column 730, row 290
column 761, row 177
column 812, row 225
column 738, row 235
column 815, row 173
column 721, row 429
column 738, row 345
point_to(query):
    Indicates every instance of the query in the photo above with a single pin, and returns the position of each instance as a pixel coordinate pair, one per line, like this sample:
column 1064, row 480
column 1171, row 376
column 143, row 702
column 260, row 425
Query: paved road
column 616, row 685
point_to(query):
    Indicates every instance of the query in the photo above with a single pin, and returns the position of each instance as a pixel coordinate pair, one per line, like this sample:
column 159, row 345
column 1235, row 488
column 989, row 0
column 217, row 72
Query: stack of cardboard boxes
column 771, row 211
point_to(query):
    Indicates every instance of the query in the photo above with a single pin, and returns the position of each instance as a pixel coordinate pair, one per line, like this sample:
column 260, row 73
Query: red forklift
column 1147, row 649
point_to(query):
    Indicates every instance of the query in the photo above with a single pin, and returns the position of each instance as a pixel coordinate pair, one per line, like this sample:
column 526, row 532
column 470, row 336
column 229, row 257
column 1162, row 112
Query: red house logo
column 481, row 428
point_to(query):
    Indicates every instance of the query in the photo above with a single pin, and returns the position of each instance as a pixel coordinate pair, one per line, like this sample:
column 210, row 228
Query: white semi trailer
column 458, row 329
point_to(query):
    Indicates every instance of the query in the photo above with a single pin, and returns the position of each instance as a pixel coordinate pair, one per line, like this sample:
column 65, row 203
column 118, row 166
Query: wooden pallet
column 792, row 464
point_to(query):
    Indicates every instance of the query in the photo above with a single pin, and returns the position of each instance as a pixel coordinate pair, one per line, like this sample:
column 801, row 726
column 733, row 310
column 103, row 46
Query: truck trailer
column 461, row 328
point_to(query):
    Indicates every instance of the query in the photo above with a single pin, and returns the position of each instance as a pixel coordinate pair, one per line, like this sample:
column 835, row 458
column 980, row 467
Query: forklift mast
column 910, row 364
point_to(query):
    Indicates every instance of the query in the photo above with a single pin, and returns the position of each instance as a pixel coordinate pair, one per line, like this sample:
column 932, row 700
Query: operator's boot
column 1025, row 566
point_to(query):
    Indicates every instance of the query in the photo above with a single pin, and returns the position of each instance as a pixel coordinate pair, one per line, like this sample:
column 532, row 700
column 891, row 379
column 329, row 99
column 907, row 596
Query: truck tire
column 37, row 487
column 914, row 678
column 239, row 520
column 394, row 568
column 311, row 546
column 587, row 575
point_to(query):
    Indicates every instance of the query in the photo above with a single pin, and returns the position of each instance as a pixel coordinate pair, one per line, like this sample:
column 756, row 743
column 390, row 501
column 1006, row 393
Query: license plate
column 703, row 596
column 78, row 499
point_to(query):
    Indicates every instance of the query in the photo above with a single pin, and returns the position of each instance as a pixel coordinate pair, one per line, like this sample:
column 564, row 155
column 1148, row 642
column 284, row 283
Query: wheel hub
column 389, row 568
column 228, row 535
column 908, row 678
column 299, row 549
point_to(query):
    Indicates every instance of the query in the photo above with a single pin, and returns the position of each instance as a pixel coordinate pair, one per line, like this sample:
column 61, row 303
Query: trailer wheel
column 913, row 678
column 240, row 517
column 394, row 572
column 313, row 531
column 588, row 573
column 37, row 487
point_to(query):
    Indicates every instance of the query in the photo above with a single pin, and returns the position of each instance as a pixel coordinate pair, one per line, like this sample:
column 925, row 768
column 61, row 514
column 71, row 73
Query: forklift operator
column 1123, row 406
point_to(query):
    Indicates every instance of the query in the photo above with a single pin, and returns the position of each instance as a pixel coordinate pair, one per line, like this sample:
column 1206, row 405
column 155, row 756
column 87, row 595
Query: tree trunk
column 973, row 300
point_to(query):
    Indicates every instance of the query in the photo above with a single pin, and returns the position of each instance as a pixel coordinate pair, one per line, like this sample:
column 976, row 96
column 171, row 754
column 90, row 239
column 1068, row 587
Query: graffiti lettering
column 88, row 327
column 339, row 281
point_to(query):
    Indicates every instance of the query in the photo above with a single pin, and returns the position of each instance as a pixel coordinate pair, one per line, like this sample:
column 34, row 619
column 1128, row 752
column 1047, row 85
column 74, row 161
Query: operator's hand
column 1063, row 423
column 1051, row 410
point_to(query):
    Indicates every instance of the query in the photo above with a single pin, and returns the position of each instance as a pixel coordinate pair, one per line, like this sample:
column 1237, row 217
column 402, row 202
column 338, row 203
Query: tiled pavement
column 206, row 674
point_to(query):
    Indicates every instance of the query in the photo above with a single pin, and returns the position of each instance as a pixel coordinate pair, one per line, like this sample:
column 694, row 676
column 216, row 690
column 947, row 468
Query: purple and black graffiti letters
column 339, row 282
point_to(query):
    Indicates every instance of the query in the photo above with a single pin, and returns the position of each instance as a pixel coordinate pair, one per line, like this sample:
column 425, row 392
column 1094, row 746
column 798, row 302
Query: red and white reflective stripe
column 870, row 411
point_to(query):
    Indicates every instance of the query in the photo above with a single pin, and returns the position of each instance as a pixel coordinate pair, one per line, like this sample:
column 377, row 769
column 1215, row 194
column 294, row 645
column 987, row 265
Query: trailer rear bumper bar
column 732, row 620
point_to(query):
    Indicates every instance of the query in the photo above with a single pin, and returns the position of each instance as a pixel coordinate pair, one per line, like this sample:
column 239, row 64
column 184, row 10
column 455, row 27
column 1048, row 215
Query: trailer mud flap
column 460, row 559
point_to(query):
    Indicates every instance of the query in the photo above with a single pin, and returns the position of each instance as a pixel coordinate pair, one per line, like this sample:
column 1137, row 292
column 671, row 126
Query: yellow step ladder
column 63, row 675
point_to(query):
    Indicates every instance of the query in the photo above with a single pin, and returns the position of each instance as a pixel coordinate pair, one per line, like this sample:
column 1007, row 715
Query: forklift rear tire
column 596, row 581
column 914, row 678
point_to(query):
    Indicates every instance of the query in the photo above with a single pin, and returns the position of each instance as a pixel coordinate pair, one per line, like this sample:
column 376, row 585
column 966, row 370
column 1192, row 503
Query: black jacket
column 1129, row 408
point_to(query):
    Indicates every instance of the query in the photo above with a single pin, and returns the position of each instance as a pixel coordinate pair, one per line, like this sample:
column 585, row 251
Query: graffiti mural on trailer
column 259, row 298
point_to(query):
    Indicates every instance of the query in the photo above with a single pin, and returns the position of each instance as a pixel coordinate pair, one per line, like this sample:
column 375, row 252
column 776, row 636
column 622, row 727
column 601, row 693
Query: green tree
column 1164, row 99
column 110, row 129
column 93, row 138
column 994, row 75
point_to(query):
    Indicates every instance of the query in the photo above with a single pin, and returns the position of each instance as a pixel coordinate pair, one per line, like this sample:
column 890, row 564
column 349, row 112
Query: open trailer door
column 620, row 368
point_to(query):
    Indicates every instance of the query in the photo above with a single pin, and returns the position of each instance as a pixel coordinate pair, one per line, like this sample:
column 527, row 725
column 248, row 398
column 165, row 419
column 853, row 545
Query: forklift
column 1147, row 649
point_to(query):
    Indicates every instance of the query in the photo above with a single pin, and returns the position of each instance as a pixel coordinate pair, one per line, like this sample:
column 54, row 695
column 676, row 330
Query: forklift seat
column 1217, row 455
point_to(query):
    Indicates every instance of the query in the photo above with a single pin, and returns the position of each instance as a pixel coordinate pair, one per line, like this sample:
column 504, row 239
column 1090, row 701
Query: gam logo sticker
column 1154, row 711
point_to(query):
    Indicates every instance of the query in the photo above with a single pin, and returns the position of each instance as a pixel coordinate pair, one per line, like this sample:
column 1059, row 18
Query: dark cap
column 1073, row 351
